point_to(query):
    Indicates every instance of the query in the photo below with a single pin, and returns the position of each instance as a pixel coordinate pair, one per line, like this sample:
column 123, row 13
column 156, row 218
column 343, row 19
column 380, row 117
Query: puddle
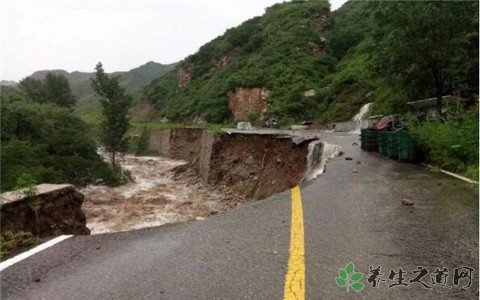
column 154, row 198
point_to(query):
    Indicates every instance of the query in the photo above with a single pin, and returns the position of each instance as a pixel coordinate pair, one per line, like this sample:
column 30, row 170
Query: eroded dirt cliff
column 54, row 210
column 247, row 102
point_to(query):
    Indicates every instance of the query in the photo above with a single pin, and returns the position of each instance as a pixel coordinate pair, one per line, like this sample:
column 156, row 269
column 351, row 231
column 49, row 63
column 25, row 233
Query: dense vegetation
column 366, row 51
column 410, row 50
column 45, row 143
column 51, row 89
column 384, row 52
column 399, row 51
column 451, row 143
column 283, row 50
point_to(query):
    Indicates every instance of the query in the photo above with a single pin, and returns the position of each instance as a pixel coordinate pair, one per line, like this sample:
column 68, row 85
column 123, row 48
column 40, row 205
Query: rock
column 355, row 144
column 354, row 171
column 340, row 153
column 250, row 160
column 348, row 158
column 279, row 160
column 57, row 208
column 244, row 126
column 358, row 162
column 275, row 252
column 406, row 201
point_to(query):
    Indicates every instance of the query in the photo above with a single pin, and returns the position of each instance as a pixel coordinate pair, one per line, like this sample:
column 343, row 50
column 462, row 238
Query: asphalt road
column 352, row 213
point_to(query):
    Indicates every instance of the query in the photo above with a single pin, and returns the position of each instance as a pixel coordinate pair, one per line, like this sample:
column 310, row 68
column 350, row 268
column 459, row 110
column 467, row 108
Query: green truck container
column 369, row 139
column 397, row 145
column 407, row 147
column 383, row 143
column 392, row 151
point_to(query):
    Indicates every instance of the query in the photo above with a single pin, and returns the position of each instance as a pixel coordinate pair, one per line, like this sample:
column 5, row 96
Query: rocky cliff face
column 284, row 50
column 54, row 210
column 245, row 102
column 184, row 75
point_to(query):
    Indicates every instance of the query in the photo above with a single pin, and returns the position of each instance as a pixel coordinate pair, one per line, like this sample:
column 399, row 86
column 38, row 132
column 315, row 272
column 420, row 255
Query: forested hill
column 134, row 81
column 282, row 52
column 393, row 52
column 308, row 63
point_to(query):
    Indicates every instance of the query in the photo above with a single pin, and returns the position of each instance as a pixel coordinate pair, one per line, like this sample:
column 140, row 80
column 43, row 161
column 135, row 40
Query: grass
column 12, row 241
column 452, row 143
column 157, row 125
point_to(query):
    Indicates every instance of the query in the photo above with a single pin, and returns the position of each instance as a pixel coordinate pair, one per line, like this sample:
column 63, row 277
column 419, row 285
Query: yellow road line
column 295, row 279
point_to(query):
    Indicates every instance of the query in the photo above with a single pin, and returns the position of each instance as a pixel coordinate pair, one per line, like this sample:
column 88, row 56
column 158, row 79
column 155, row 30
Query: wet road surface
column 352, row 213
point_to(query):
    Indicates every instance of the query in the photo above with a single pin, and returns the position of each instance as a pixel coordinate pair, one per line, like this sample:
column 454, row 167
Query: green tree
column 33, row 88
column 48, row 143
column 141, row 145
column 115, row 103
column 423, row 43
column 57, row 90
column 52, row 89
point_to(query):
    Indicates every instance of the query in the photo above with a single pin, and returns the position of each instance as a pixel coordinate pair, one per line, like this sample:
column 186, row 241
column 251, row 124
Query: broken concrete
column 253, row 164
column 55, row 209
column 256, row 166
column 201, row 173
column 180, row 143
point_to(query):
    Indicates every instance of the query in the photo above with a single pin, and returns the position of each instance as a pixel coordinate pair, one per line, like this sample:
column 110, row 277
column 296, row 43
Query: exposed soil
column 256, row 166
column 154, row 198
column 247, row 101
column 184, row 75
column 185, row 143
column 54, row 210
column 222, row 170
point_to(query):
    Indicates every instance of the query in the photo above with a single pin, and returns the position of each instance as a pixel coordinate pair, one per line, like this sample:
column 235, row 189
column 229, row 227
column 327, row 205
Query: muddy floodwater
column 153, row 198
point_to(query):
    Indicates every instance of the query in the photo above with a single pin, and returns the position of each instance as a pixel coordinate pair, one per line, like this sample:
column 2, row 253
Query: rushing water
column 318, row 155
column 154, row 198
column 359, row 117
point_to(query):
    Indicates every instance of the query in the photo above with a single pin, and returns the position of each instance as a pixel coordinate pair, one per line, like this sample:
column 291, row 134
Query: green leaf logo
column 348, row 278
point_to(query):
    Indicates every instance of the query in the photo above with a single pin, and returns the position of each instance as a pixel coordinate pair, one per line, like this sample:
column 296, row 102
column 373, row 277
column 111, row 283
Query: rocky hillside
column 134, row 81
column 268, row 66
column 299, row 61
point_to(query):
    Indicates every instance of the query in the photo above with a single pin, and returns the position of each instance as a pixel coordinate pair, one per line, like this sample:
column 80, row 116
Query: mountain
column 8, row 83
column 268, row 66
column 299, row 61
column 133, row 81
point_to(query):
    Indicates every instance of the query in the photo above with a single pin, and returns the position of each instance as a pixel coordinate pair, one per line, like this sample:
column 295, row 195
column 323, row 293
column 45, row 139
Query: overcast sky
column 75, row 35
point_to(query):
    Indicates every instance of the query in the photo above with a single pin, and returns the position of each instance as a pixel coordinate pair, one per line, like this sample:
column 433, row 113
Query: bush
column 139, row 144
column 26, row 182
column 451, row 143
column 48, row 143
column 119, row 176
column 10, row 241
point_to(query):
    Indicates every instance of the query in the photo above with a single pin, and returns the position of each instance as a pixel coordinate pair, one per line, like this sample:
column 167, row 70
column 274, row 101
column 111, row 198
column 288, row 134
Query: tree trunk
column 439, row 102
column 113, row 159
column 439, row 85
